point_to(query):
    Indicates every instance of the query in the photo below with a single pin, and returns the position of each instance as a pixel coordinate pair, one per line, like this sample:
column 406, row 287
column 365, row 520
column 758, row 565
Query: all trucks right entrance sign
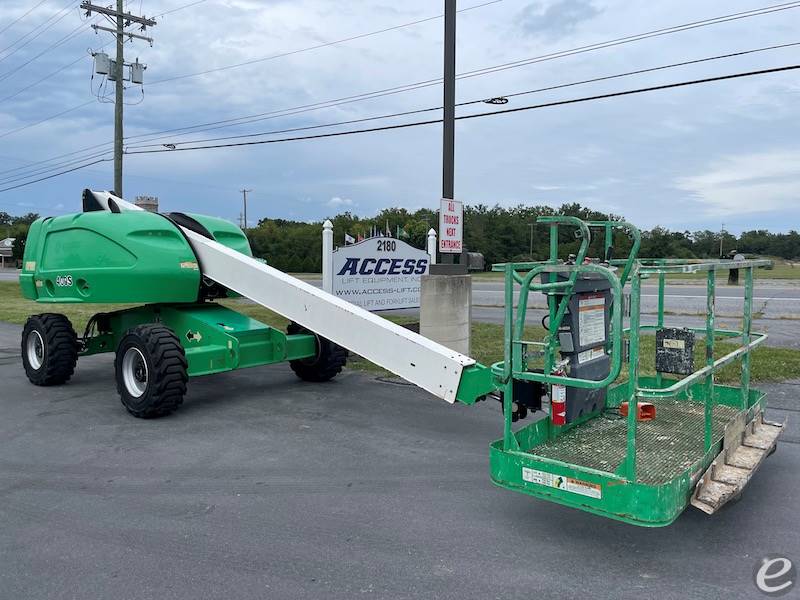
column 451, row 226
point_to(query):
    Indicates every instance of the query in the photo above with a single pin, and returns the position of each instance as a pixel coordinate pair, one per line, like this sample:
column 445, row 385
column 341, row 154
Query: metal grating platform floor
column 665, row 447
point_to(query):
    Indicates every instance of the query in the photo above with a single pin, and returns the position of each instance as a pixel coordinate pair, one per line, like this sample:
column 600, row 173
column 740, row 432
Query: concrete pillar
column 432, row 248
column 446, row 310
column 327, row 256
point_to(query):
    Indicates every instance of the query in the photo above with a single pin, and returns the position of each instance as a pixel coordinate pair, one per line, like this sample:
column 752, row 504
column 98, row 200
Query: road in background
column 773, row 300
column 776, row 306
column 262, row 486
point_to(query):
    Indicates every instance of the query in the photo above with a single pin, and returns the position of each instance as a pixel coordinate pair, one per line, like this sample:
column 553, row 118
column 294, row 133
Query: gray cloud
column 556, row 18
column 680, row 158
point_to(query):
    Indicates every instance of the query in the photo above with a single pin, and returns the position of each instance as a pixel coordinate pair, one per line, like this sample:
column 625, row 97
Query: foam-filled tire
column 325, row 365
column 49, row 349
column 151, row 371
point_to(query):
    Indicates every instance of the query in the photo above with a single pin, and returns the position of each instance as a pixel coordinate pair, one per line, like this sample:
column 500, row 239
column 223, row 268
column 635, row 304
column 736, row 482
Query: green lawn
column 769, row 364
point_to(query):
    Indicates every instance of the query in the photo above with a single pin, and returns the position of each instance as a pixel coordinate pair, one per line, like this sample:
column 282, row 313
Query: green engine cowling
column 124, row 257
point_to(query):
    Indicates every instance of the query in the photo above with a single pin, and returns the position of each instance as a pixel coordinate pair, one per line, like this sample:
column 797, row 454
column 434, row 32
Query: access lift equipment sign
column 451, row 226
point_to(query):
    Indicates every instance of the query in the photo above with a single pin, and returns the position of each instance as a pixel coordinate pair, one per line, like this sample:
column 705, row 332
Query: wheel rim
column 34, row 349
column 134, row 372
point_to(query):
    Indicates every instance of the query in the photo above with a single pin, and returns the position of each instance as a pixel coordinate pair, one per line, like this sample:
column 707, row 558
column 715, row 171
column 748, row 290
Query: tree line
column 504, row 234
column 500, row 234
column 16, row 228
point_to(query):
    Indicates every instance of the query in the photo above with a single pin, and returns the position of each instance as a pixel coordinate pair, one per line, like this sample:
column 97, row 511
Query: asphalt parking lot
column 261, row 486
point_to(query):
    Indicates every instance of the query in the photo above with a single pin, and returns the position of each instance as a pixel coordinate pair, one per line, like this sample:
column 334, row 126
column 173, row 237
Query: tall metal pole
column 449, row 103
column 448, row 143
column 530, row 253
column 118, row 104
column 244, row 195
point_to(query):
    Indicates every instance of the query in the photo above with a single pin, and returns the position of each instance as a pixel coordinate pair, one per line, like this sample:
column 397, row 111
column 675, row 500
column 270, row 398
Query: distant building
column 6, row 246
column 149, row 203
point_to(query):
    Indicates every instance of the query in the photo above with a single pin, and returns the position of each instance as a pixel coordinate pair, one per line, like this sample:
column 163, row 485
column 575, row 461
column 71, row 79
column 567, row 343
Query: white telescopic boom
column 433, row 367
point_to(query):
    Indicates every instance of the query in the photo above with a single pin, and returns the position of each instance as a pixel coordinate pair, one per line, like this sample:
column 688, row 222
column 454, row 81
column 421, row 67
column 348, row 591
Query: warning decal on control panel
column 590, row 354
column 576, row 486
column 674, row 344
column 592, row 319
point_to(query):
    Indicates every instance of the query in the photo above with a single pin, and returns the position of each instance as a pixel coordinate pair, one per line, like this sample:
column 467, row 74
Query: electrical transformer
column 137, row 72
column 102, row 64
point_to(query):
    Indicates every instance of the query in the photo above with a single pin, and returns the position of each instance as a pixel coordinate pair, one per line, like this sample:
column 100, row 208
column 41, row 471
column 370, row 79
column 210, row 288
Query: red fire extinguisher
column 558, row 402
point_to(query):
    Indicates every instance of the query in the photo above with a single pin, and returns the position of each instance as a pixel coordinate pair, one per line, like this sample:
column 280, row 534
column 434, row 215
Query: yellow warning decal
column 189, row 265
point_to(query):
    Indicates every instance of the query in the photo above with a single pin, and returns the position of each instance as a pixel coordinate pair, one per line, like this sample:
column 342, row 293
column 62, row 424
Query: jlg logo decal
column 64, row 280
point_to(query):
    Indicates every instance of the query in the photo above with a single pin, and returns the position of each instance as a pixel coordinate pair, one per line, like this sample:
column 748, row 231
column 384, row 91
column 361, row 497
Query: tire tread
column 169, row 371
column 61, row 345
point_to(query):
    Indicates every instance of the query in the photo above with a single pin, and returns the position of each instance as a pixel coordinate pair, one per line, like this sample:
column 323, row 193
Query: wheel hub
column 34, row 349
column 134, row 372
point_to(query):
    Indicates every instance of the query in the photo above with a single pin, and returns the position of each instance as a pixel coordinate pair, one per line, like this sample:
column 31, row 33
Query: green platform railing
column 515, row 363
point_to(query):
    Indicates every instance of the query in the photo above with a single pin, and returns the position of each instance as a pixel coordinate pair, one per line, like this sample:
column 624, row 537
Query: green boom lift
column 578, row 430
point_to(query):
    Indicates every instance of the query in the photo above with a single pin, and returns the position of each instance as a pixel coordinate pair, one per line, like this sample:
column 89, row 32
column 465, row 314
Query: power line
column 338, row 102
column 58, row 16
column 520, row 62
column 56, row 174
column 25, row 14
column 72, row 34
column 638, row 37
column 57, row 71
column 512, row 95
column 267, row 58
column 50, row 118
column 317, row 46
column 45, row 78
column 435, row 121
column 35, row 169
column 44, row 170
column 427, row 83
column 433, row 82
column 485, row 114
column 169, row 12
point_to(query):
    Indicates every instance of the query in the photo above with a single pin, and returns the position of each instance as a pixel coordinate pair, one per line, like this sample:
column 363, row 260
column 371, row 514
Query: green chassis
column 215, row 338
column 640, row 473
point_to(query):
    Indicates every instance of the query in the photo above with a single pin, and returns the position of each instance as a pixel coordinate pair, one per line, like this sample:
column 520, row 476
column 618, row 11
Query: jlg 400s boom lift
column 569, row 435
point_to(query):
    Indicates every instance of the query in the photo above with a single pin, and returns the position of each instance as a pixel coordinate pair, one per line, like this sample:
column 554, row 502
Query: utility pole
column 721, row 237
column 530, row 252
column 244, row 195
column 123, row 20
column 118, row 91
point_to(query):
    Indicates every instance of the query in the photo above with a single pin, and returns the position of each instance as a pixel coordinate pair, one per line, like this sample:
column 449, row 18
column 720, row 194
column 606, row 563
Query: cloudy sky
column 688, row 158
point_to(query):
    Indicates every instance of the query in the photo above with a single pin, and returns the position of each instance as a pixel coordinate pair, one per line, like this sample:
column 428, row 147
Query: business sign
column 451, row 226
column 379, row 273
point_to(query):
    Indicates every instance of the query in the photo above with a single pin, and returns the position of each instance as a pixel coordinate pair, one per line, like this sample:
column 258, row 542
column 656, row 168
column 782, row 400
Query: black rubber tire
column 165, row 377
column 59, row 349
column 326, row 365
